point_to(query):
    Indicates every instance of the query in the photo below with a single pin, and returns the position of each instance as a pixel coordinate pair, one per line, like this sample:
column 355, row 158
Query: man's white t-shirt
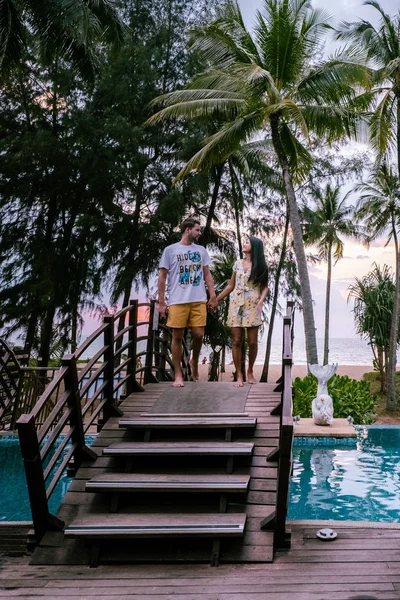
column 185, row 282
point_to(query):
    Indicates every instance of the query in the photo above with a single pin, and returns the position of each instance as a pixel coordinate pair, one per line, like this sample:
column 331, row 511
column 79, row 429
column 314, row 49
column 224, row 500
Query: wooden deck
column 362, row 563
column 255, row 546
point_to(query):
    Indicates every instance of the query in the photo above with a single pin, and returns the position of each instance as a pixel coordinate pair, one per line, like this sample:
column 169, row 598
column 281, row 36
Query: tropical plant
column 350, row 398
column 374, row 296
column 267, row 82
column 61, row 29
column 381, row 44
column 379, row 207
column 323, row 225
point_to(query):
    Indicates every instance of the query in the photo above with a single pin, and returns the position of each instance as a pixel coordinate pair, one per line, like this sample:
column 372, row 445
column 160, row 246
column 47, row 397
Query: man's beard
column 193, row 239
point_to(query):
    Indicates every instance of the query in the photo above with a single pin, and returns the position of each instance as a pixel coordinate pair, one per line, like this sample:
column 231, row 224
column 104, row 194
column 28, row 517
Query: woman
column 248, row 289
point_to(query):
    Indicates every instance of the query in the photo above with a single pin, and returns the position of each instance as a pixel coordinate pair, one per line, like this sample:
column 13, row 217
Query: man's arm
column 162, row 278
column 212, row 303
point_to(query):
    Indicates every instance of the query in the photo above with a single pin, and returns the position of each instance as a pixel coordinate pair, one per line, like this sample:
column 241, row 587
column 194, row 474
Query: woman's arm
column 229, row 288
column 261, row 301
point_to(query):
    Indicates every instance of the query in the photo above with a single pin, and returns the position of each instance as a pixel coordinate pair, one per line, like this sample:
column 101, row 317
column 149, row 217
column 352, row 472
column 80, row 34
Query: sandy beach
column 353, row 371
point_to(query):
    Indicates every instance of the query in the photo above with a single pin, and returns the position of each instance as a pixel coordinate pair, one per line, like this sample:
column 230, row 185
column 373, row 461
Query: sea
column 345, row 351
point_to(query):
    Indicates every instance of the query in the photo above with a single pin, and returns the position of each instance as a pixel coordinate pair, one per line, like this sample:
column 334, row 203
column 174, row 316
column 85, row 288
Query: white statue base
column 322, row 405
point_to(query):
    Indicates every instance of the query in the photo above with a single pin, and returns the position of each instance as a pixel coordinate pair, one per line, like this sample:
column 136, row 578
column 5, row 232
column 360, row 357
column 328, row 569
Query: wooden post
column 132, row 385
column 30, row 449
column 82, row 452
column 110, row 408
column 148, row 374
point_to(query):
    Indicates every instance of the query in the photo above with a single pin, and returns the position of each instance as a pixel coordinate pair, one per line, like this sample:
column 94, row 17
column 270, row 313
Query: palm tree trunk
column 213, row 204
column 306, row 296
column 264, row 374
column 328, row 305
column 236, row 207
column 391, row 397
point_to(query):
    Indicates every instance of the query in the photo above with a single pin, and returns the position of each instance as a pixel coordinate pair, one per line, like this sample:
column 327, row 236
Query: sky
column 357, row 260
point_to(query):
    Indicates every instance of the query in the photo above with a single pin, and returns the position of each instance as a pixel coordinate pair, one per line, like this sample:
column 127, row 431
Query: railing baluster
column 110, row 408
column 148, row 374
column 132, row 385
column 82, row 452
column 30, row 449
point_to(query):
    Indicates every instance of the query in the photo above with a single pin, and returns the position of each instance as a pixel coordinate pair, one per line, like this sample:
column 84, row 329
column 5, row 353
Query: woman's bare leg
column 237, row 333
column 252, row 341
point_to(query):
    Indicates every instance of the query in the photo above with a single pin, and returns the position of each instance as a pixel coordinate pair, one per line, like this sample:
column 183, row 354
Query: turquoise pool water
column 360, row 483
column 14, row 499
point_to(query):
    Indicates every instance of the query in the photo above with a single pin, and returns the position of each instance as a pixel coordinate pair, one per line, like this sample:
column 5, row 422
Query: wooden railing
column 283, row 454
column 77, row 400
column 10, row 382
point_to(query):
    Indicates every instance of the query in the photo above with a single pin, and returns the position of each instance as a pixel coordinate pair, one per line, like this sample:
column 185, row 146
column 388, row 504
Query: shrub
column 349, row 396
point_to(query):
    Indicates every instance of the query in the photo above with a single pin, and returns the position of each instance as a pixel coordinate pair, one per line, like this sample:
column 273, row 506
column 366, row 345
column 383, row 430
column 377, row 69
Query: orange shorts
column 190, row 314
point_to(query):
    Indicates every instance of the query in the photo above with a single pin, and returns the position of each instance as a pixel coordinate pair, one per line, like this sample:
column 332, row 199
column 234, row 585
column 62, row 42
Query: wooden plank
column 219, row 422
column 126, row 482
column 118, row 526
column 179, row 448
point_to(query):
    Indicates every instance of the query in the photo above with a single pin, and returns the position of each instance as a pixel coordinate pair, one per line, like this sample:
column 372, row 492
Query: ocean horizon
column 344, row 351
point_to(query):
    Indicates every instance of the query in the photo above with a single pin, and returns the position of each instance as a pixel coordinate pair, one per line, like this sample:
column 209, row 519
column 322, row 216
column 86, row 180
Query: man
column 187, row 266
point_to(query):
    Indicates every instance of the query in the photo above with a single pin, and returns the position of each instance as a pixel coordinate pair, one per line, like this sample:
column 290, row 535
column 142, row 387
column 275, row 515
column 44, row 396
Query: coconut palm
column 379, row 207
column 66, row 28
column 264, row 85
column 323, row 227
column 382, row 47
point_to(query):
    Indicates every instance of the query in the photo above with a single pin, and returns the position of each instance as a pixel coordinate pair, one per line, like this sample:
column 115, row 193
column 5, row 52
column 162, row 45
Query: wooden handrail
column 54, row 430
column 283, row 454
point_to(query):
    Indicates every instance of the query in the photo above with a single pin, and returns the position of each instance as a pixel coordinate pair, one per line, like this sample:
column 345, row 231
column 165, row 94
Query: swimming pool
column 14, row 499
column 360, row 483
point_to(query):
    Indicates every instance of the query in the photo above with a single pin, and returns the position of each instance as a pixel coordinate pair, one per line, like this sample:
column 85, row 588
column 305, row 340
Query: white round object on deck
column 326, row 534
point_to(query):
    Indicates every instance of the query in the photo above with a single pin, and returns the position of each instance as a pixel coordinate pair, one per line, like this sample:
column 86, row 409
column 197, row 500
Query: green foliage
column 350, row 398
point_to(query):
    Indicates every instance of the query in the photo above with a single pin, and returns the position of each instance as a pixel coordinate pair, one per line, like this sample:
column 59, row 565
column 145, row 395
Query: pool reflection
column 357, row 484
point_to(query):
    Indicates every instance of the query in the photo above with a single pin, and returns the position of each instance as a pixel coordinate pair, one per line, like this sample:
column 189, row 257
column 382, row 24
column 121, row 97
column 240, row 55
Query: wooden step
column 157, row 525
column 218, row 422
column 179, row 449
column 144, row 482
column 192, row 415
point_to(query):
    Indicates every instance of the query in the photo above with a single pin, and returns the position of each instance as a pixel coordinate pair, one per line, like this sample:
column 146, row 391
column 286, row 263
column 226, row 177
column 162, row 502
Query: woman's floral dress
column 243, row 300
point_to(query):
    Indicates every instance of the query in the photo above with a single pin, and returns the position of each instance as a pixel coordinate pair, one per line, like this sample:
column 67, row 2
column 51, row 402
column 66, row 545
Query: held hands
column 162, row 308
column 212, row 303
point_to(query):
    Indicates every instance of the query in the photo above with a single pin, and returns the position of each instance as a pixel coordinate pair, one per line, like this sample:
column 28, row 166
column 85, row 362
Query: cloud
column 362, row 257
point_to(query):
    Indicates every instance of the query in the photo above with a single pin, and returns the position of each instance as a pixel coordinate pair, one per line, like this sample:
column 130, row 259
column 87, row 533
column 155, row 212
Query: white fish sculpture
column 322, row 405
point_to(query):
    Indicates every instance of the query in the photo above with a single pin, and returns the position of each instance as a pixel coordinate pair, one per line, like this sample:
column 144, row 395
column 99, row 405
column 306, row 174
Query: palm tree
column 382, row 47
column 322, row 227
column 264, row 85
column 379, row 206
column 65, row 29
column 374, row 296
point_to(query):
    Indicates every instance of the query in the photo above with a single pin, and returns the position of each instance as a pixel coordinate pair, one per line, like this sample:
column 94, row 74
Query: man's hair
column 189, row 222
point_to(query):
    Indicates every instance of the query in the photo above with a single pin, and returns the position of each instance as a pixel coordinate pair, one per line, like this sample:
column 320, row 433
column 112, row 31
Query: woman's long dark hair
column 259, row 269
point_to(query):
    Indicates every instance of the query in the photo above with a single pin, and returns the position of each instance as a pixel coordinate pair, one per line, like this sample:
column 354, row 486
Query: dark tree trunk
column 264, row 374
column 213, row 204
column 327, row 306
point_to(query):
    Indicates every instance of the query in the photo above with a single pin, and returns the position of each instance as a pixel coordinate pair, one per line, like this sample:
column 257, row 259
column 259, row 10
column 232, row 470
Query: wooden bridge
column 195, row 474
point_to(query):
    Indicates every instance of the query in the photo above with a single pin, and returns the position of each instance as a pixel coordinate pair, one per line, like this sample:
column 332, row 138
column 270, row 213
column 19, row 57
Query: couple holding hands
column 184, row 269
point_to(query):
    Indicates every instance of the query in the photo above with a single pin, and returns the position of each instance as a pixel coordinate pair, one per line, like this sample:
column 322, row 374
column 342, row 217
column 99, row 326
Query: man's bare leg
column 197, row 341
column 252, row 341
column 237, row 354
column 176, row 347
